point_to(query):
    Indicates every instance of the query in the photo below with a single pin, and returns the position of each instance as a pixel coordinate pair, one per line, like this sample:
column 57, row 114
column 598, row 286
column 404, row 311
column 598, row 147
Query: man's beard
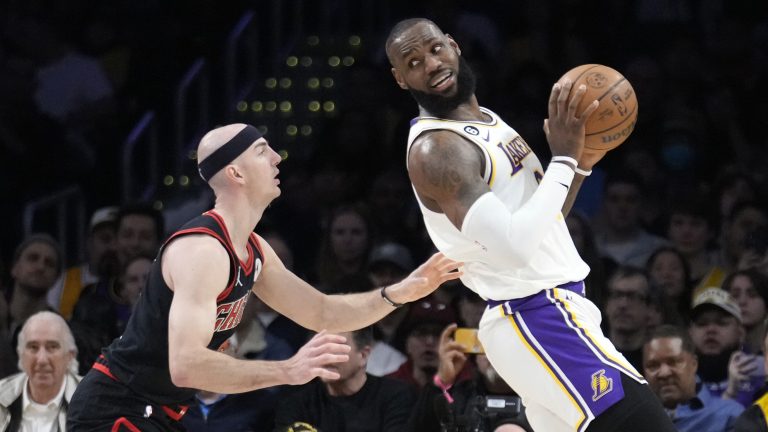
column 441, row 106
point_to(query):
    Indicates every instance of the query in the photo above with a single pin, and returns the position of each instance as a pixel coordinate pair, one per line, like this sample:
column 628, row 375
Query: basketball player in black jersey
column 197, row 290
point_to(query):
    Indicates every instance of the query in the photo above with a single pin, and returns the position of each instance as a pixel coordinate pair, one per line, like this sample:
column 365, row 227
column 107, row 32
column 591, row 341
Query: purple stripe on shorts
column 598, row 383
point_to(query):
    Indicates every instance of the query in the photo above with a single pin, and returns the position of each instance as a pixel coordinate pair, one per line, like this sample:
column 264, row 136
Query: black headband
column 225, row 154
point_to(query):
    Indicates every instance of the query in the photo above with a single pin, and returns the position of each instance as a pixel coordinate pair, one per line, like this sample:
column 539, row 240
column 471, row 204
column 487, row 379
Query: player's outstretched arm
column 288, row 294
column 446, row 172
column 197, row 269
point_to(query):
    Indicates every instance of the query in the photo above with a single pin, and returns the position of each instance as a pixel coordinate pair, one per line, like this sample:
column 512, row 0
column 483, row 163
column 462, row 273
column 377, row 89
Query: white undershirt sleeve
column 512, row 239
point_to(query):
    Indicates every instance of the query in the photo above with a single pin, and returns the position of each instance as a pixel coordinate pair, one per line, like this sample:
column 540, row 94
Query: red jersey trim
column 202, row 230
column 122, row 421
column 248, row 264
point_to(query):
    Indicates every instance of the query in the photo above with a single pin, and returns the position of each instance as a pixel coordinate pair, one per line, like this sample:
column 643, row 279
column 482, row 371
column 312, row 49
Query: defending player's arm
column 288, row 294
column 197, row 269
column 446, row 171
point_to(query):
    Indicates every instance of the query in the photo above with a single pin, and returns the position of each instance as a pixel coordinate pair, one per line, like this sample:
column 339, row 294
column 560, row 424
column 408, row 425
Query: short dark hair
column 363, row 337
column 142, row 209
column 399, row 28
column 694, row 206
column 671, row 331
column 40, row 238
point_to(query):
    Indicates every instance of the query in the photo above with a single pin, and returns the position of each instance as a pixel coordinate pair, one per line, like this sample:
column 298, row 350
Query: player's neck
column 240, row 220
column 467, row 111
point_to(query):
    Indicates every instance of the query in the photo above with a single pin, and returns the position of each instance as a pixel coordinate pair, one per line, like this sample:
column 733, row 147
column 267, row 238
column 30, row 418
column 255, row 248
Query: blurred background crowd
column 101, row 104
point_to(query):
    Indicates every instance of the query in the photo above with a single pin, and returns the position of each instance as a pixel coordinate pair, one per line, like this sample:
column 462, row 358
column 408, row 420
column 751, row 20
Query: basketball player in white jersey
column 487, row 201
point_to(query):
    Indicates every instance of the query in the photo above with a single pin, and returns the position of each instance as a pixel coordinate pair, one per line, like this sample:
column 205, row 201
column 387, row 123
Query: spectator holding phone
column 724, row 367
column 755, row 417
column 484, row 403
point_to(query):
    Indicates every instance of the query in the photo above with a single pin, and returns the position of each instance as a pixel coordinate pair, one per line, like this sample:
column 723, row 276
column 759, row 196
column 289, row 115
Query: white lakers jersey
column 512, row 171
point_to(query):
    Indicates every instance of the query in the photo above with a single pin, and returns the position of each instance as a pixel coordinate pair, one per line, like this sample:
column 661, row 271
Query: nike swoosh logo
column 487, row 136
column 564, row 185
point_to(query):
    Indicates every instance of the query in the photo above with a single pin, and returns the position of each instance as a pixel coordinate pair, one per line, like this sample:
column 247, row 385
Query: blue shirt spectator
column 706, row 413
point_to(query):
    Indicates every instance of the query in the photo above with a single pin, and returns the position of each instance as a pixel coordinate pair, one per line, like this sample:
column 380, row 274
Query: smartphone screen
column 467, row 337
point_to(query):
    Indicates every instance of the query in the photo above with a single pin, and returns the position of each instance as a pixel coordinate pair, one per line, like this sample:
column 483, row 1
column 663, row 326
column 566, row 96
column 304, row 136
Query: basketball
column 614, row 119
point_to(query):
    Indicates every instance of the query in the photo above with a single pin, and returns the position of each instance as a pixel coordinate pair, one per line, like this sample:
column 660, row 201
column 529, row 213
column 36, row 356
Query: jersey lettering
column 228, row 315
column 515, row 150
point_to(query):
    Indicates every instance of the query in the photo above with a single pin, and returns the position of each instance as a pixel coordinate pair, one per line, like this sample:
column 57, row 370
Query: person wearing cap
column 101, row 264
column 198, row 287
column 718, row 334
column 670, row 364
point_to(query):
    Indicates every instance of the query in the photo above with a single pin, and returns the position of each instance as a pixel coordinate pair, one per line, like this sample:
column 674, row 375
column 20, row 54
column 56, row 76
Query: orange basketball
column 615, row 117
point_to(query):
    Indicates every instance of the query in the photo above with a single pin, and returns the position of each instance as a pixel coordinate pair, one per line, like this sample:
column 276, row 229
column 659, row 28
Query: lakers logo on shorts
column 601, row 384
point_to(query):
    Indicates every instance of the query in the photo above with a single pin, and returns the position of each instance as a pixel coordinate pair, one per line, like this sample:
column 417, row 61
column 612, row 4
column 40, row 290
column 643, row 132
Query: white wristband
column 560, row 173
column 582, row 172
column 567, row 159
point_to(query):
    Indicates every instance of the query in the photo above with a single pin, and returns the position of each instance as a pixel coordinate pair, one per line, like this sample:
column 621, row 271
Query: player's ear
column 453, row 43
column 399, row 79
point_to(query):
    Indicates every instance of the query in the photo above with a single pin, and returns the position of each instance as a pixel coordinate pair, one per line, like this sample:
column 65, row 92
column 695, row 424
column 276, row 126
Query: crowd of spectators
column 673, row 224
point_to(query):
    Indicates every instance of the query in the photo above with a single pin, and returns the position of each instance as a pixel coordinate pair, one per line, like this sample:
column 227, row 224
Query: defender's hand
column 316, row 359
column 425, row 279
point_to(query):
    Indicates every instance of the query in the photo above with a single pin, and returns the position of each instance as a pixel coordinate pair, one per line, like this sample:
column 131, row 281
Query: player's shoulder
column 437, row 140
column 196, row 247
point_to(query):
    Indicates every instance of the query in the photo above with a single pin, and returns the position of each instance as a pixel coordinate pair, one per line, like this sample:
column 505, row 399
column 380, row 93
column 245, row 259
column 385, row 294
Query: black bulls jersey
column 139, row 358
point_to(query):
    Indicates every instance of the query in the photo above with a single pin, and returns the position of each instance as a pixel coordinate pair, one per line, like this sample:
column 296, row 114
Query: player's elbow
column 181, row 370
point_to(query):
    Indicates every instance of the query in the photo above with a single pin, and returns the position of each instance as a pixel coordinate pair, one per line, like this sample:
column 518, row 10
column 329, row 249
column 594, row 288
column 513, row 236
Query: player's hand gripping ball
column 614, row 119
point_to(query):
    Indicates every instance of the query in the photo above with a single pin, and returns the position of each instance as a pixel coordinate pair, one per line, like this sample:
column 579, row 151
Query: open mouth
column 442, row 81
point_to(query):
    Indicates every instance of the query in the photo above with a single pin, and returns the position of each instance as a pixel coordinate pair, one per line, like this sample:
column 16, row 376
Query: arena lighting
column 292, row 61
column 263, row 129
column 270, row 106
column 270, row 83
column 348, row 61
column 334, row 61
column 192, row 155
column 257, row 106
column 283, row 154
column 183, row 181
column 313, row 83
column 306, row 61
column 313, row 40
column 329, row 106
column 242, row 106
column 168, row 180
column 286, row 106
column 327, row 82
column 291, row 130
column 158, row 205
column 355, row 40
column 285, row 83
column 314, row 106
column 306, row 130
